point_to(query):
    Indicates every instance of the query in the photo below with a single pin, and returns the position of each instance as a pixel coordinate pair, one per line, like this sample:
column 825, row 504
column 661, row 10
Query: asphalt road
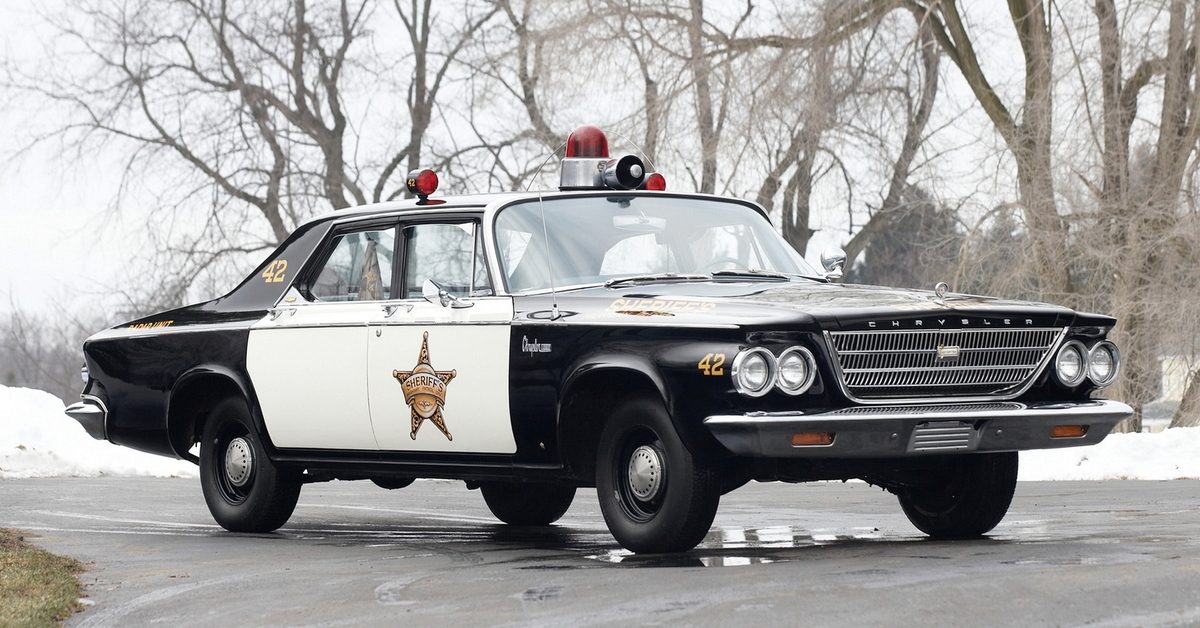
column 1100, row 554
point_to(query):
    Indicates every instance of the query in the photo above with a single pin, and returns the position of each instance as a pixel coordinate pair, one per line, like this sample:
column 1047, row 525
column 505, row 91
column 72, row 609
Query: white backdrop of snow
column 38, row 440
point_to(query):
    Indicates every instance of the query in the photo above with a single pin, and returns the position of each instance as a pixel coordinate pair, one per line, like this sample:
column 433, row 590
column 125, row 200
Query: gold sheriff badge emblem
column 425, row 391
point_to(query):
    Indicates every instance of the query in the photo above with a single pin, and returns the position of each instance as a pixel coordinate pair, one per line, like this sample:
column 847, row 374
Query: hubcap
column 239, row 461
column 645, row 473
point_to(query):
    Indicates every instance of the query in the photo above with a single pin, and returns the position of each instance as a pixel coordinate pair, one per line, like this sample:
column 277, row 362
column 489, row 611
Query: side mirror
column 833, row 258
column 436, row 293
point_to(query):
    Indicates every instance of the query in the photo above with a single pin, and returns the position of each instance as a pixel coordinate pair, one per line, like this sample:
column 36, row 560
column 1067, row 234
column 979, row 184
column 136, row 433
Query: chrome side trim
column 1013, row 393
column 92, row 414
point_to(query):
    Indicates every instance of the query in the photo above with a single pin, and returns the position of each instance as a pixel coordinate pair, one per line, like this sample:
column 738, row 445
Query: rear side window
column 358, row 269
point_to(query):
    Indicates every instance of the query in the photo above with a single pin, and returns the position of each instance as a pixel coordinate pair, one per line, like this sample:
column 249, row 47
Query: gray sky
column 51, row 245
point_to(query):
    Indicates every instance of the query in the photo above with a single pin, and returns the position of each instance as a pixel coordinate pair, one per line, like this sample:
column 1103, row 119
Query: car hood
column 829, row 305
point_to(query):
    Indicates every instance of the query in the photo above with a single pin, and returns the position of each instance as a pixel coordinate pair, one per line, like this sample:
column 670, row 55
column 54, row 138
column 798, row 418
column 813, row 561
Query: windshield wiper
column 655, row 278
column 751, row 273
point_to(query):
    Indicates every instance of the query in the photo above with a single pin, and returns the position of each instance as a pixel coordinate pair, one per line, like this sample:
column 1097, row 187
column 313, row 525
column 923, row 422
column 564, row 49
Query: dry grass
column 37, row 588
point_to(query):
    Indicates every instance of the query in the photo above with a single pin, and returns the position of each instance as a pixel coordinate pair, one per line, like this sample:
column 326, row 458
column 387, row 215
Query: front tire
column 529, row 504
column 244, row 490
column 656, row 497
column 966, row 499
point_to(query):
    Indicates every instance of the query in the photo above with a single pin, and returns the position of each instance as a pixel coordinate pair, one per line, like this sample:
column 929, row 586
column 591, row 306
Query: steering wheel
column 722, row 260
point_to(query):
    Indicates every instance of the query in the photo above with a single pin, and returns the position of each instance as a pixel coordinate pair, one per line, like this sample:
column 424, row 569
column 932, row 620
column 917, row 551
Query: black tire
column 392, row 484
column 254, row 496
column 669, row 505
column 527, row 504
column 964, row 500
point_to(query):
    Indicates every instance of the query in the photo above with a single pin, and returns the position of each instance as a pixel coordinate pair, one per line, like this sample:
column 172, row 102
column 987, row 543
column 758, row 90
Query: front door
column 437, row 376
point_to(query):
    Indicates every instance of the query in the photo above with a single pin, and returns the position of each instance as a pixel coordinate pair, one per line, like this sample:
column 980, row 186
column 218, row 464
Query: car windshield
column 599, row 239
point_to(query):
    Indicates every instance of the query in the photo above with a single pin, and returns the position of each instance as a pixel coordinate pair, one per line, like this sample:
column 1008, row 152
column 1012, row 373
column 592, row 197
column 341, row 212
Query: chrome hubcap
column 239, row 461
column 645, row 473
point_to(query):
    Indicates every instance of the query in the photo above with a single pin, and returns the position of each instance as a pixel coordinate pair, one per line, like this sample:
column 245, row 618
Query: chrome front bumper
column 91, row 414
column 894, row 431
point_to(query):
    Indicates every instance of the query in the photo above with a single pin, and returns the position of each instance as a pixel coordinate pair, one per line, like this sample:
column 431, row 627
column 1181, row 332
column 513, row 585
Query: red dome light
column 656, row 182
column 587, row 141
column 422, row 183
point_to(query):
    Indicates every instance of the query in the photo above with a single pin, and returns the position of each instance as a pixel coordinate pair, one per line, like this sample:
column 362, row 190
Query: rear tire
column 245, row 492
column 527, row 504
column 966, row 499
column 655, row 495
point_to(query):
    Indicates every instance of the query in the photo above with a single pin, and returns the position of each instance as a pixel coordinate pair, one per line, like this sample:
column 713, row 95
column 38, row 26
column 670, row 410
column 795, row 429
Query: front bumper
column 895, row 431
column 91, row 414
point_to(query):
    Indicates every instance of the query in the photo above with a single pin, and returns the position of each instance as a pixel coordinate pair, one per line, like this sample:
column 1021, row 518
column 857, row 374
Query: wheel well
column 586, row 409
column 190, row 406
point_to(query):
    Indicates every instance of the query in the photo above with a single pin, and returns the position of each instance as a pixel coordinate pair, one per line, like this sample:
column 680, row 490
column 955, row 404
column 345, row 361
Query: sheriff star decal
column 425, row 391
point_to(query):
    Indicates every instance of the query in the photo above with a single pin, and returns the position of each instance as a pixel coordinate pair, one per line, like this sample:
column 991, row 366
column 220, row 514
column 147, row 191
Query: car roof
column 494, row 201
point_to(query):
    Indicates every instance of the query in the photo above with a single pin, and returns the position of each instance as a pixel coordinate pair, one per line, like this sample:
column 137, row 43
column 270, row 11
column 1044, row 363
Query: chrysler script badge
column 425, row 391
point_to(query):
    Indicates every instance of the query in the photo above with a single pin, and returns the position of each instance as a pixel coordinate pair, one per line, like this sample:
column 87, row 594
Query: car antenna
column 549, row 263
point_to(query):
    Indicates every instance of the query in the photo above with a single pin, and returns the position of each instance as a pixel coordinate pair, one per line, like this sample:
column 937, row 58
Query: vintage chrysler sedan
column 665, row 348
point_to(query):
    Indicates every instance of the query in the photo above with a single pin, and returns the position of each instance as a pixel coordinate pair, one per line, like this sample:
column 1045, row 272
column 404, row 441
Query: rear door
column 308, row 358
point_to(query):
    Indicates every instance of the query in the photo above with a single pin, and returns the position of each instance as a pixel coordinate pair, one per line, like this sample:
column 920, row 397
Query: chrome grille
column 923, row 364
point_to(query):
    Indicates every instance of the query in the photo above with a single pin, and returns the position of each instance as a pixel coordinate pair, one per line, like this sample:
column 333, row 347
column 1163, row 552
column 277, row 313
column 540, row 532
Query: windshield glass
column 595, row 239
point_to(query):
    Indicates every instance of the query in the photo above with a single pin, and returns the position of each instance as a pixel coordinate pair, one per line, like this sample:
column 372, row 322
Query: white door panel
column 457, row 361
column 309, row 372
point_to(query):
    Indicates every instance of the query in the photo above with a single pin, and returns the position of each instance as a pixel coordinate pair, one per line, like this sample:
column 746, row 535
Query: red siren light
column 656, row 182
column 422, row 183
column 587, row 141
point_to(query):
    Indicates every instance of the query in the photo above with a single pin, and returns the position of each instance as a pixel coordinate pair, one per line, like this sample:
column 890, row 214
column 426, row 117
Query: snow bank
column 37, row 440
column 1167, row 455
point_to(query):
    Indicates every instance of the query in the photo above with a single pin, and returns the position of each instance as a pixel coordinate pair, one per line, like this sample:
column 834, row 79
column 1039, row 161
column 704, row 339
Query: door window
column 358, row 269
column 450, row 254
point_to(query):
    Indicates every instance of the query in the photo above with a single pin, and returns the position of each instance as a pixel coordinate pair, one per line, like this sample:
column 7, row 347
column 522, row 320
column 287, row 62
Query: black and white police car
column 665, row 348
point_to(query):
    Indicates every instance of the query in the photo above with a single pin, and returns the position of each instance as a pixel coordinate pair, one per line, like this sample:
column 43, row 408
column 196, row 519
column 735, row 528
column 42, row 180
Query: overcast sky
column 51, row 244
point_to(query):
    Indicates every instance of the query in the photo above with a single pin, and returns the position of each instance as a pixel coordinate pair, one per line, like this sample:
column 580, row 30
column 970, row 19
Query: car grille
column 920, row 364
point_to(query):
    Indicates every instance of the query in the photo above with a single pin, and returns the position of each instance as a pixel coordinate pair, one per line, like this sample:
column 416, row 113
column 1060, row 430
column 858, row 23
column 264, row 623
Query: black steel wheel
column 965, row 499
column 527, row 504
column 245, row 492
column 655, row 495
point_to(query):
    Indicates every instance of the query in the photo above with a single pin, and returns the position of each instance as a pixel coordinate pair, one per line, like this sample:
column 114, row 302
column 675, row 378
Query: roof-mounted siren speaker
column 626, row 173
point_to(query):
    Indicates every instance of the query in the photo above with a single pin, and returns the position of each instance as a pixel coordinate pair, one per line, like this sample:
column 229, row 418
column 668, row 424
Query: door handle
column 276, row 312
column 388, row 310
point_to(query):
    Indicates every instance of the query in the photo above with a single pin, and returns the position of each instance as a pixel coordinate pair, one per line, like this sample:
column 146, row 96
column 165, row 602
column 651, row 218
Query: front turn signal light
column 1068, row 431
column 812, row 439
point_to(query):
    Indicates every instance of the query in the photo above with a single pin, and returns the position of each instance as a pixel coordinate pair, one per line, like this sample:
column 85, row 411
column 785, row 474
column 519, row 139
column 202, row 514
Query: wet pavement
column 1104, row 554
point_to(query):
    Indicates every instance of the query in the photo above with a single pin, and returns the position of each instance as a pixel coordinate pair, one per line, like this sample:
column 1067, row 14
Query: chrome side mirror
column 833, row 258
column 436, row 293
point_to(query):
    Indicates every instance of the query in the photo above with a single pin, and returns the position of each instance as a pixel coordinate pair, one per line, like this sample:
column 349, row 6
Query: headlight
column 83, row 373
column 1070, row 365
column 795, row 370
column 1103, row 363
column 753, row 372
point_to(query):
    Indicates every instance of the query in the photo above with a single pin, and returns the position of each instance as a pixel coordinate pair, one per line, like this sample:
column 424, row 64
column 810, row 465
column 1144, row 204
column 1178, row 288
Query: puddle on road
column 726, row 547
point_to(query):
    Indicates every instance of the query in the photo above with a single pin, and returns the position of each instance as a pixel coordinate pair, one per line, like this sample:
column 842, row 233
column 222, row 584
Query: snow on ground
column 38, row 440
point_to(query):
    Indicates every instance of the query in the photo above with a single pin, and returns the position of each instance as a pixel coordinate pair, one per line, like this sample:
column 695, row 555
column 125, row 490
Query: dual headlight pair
column 1074, row 362
column 756, row 371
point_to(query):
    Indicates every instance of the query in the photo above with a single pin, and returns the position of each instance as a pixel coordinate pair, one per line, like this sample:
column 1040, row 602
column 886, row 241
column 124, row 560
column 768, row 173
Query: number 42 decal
column 711, row 364
column 275, row 271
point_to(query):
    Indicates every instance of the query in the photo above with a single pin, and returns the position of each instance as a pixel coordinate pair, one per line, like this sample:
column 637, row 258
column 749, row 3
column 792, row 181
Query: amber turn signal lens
column 1068, row 431
column 803, row 439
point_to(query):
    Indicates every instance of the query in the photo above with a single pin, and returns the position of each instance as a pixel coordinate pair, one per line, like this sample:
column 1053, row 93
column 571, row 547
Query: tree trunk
column 1188, row 412
column 701, row 73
